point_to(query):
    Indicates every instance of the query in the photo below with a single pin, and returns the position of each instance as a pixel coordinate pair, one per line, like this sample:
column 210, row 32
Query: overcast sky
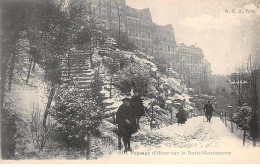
column 226, row 38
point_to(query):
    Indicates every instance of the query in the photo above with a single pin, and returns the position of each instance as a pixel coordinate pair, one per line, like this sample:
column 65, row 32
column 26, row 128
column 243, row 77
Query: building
column 189, row 63
column 206, row 68
column 108, row 13
column 137, row 24
column 163, row 42
column 155, row 40
column 140, row 28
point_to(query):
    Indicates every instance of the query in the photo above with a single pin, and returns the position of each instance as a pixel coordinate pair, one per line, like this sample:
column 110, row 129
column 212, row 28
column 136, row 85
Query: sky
column 226, row 36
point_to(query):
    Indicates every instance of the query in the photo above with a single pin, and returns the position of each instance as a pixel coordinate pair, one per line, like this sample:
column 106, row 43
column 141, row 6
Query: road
column 195, row 142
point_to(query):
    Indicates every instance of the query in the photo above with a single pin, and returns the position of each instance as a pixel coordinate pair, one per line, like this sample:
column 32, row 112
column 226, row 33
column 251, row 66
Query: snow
column 141, row 60
column 198, row 139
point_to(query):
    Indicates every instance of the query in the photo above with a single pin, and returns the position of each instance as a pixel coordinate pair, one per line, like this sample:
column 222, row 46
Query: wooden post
column 119, row 142
column 151, row 124
column 171, row 118
column 225, row 118
column 231, row 121
column 88, row 146
column 114, row 118
column 244, row 137
column 110, row 90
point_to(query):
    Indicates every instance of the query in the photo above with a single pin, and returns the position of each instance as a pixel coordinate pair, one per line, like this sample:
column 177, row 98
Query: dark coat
column 181, row 116
column 138, row 107
column 125, row 113
column 208, row 108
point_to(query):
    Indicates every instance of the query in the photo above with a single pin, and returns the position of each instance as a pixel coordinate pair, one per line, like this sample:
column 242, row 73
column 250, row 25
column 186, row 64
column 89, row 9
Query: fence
column 226, row 118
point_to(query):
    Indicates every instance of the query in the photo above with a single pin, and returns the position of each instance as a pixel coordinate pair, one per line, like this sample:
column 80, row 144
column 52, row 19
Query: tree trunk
column 29, row 70
column 11, row 72
column 244, row 137
column 91, row 59
column 119, row 29
column 34, row 64
column 88, row 146
column 51, row 95
column 3, row 75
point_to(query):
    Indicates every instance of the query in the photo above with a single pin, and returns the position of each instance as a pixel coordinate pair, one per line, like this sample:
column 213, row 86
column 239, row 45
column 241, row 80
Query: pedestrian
column 208, row 109
column 126, row 122
column 138, row 108
column 181, row 116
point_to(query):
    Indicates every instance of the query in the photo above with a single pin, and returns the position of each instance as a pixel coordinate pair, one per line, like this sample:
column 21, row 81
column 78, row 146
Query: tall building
column 108, row 13
column 155, row 40
column 163, row 42
column 206, row 68
column 140, row 28
column 137, row 24
column 189, row 63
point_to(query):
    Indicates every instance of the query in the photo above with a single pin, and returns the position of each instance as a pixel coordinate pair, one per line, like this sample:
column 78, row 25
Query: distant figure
column 181, row 116
column 126, row 123
column 208, row 109
column 138, row 108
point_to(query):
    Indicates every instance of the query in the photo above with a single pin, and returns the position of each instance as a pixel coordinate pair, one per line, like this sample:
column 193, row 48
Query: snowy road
column 195, row 142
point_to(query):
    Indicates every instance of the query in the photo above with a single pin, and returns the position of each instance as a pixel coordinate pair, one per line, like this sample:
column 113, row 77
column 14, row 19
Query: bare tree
column 121, row 10
column 238, row 83
column 245, row 85
column 254, row 88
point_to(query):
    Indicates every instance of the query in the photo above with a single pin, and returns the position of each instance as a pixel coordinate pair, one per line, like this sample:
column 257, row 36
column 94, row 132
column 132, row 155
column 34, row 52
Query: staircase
column 76, row 70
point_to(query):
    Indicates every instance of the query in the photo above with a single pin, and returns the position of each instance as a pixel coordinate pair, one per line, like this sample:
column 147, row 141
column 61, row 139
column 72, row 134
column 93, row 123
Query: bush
column 133, row 76
column 112, row 65
column 161, row 99
column 242, row 116
column 8, row 134
column 75, row 116
column 39, row 134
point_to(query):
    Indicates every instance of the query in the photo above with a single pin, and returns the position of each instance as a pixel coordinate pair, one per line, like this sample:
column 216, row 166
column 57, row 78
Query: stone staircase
column 76, row 70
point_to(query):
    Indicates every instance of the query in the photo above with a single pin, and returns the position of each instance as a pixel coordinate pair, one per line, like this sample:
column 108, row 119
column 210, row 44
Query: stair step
column 83, row 68
column 80, row 78
column 81, row 82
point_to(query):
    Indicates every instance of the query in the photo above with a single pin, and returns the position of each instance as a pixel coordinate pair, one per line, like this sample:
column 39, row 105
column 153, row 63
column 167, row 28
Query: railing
column 228, row 121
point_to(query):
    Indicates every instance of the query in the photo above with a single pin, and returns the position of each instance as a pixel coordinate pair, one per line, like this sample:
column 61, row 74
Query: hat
column 126, row 98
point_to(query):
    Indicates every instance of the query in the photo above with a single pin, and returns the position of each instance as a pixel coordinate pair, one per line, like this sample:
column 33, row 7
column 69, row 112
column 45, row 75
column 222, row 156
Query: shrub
column 241, row 117
column 8, row 133
column 75, row 116
column 39, row 134
column 161, row 99
column 133, row 76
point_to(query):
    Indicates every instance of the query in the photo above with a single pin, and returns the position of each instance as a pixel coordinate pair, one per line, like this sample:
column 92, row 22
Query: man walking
column 208, row 109
column 126, row 123
column 138, row 108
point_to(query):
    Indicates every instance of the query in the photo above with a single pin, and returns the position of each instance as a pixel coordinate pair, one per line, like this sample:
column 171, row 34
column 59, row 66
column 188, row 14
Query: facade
column 163, row 42
column 189, row 63
column 137, row 24
column 155, row 40
column 206, row 68
column 140, row 28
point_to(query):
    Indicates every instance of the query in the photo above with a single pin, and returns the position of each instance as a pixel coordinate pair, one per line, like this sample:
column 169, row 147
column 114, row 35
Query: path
column 196, row 141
